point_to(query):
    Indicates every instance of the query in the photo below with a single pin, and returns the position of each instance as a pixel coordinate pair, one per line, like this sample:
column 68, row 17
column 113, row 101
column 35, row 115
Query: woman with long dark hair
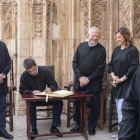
column 124, row 61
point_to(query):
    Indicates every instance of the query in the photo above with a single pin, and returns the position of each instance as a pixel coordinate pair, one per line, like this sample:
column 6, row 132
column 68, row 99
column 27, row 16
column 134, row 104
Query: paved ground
column 19, row 132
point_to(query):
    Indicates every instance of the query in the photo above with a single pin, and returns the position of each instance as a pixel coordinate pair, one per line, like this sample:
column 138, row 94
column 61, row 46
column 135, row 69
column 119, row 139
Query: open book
column 60, row 93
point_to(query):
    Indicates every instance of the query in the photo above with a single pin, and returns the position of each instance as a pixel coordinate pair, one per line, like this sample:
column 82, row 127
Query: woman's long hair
column 126, row 34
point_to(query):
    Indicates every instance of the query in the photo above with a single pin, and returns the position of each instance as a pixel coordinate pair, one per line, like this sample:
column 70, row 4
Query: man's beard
column 92, row 43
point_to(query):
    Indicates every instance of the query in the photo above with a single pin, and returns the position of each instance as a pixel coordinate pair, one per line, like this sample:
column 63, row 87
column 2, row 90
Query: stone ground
column 19, row 132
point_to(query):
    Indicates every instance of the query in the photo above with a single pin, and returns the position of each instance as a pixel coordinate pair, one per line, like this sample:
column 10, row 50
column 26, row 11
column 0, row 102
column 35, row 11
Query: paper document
column 40, row 94
column 60, row 93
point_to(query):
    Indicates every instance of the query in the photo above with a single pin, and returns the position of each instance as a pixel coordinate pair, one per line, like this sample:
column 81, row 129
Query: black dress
column 123, row 62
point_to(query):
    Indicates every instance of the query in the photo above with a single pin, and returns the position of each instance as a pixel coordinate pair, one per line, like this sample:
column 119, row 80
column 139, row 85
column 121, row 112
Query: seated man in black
column 34, row 80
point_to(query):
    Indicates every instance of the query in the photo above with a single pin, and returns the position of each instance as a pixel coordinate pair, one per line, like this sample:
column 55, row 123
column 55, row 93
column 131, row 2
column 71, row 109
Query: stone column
column 23, row 46
column 69, row 33
column 113, row 18
column 75, row 33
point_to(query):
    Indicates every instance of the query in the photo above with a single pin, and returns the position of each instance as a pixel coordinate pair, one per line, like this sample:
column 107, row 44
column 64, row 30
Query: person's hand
column 113, row 84
column 47, row 90
column 114, row 78
column 118, row 81
column 36, row 92
column 2, row 76
column 83, row 81
column 1, row 81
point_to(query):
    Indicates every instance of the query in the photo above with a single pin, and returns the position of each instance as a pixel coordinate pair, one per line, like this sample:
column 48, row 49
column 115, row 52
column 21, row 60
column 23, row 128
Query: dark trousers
column 94, row 105
column 2, row 111
column 57, row 110
column 130, row 138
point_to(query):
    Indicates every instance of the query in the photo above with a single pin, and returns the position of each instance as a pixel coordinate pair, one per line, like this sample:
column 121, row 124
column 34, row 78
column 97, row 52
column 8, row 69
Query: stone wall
column 50, row 31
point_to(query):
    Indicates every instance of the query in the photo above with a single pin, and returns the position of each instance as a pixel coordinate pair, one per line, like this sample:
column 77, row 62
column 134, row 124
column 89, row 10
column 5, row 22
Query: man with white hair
column 88, row 66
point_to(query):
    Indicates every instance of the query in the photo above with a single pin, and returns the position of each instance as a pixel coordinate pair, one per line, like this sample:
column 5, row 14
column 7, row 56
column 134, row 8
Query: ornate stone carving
column 7, row 19
column 7, row 1
column 96, row 13
column 48, row 17
column 92, row 14
column 54, row 14
column 85, row 17
column 37, row 18
column 136, row 20
column 125, row 13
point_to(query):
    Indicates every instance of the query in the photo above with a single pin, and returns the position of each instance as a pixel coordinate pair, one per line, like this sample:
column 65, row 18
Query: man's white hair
column 94, row 29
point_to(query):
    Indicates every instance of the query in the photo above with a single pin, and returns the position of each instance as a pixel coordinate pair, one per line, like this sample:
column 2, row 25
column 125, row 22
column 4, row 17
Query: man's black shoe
column 75, row 129
column 55, row 130
column 4, row 134
column 91, row 131
column 34, row 132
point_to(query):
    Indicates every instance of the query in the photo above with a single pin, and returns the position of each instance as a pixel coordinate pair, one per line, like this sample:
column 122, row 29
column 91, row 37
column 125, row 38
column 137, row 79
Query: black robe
column 130, row 124
column 123, row 62
column 5, row 66
column 30, row 83
column 90, row 62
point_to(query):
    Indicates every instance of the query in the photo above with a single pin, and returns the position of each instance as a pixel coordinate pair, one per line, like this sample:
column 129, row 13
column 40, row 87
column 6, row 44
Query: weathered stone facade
column 50, row 30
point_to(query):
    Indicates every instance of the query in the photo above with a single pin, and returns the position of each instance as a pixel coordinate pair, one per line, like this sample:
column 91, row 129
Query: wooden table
column 83, row 99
